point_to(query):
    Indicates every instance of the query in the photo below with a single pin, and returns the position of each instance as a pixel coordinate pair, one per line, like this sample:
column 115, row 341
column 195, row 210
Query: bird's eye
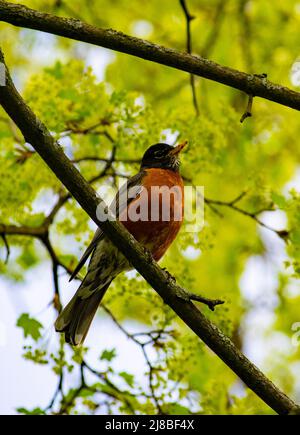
column 159, row 154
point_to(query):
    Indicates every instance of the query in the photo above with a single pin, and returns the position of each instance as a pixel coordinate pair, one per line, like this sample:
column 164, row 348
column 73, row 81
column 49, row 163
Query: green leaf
column 69, row 94
column 177, row 409
column 4, row 134
column 85, row 392
column 128, row 378
column 56, row 71
column 279, row 200
column 108, row 355
column 35, row 411
column 31, row 327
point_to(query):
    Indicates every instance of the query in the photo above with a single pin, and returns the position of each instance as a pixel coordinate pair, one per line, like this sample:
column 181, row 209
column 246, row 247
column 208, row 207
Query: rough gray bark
column 251, row 84
column 40, row 138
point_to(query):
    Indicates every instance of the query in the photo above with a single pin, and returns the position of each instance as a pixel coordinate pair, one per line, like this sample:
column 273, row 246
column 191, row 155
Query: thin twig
column 105, row 160
column 283, row 234
column 248, row 111
column 59, row 390
column 55, row 264
column 211, row 303
column 118, row 392
column 189, row 18
column 6, row 244
column 151, row 381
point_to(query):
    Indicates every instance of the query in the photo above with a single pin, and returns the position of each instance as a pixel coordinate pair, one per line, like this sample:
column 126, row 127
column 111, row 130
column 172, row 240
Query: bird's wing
column 127, row 193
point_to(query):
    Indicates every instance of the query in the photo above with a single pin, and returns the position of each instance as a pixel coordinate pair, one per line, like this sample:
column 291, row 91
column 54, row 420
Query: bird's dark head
column 163, row 156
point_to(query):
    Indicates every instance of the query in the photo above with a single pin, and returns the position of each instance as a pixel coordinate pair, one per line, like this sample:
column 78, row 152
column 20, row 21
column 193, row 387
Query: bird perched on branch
column 150, row 205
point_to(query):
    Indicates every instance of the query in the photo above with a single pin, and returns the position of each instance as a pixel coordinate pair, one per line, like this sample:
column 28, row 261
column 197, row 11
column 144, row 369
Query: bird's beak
column 176, row 150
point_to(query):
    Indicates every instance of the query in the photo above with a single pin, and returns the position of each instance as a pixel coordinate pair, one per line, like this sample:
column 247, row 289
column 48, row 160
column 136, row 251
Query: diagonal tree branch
column 176, row 297
column 256, row 85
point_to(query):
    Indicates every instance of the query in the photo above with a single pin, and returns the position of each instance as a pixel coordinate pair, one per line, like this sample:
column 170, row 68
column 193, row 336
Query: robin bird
column 159, row 172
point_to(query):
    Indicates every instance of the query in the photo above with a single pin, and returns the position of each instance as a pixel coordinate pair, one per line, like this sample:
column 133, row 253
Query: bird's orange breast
column 155, row 217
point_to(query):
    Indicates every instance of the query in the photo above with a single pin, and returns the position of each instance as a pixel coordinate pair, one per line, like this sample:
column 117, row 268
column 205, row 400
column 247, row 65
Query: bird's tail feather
column 77, row 316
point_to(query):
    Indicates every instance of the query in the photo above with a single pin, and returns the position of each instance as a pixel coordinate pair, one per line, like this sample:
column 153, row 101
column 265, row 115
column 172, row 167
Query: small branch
column 189, row 18
column 55, row 264
column 59, row 390
column 211, row 303
column 3, row 236
column 150, row 379
column 86, row 131
column 248, row 111
column 118, row 324
column 118, row 174
column 105, row 160
column 56, row 300
column 118, row 392
column 283, row 234
column 238, row 198
column 188, row 296
column 63, row 198
column 73, row 127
